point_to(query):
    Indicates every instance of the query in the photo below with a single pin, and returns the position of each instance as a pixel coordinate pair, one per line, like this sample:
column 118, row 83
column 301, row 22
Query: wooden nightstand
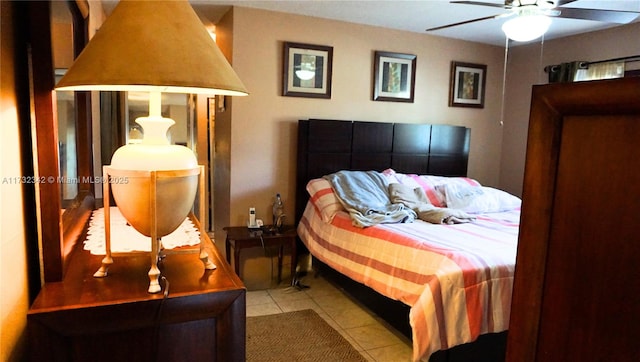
column 83, row 318
column 240, row 237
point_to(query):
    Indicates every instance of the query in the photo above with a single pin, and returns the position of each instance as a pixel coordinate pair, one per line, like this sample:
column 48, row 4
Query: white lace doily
column 124, row 238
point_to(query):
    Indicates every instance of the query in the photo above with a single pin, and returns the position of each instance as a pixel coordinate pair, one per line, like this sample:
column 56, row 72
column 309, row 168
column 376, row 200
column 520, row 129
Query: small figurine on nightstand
column 278, row 215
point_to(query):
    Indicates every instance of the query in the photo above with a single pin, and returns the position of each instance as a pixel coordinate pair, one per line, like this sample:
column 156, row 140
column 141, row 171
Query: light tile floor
column 371, row 336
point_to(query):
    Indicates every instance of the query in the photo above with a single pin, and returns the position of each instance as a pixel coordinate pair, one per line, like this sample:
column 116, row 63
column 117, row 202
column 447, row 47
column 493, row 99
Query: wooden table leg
column 294, row 261
column 280, row 253
column 236, row 259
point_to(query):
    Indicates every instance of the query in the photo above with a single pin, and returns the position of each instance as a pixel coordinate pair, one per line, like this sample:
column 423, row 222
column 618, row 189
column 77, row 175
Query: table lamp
column 155, row 47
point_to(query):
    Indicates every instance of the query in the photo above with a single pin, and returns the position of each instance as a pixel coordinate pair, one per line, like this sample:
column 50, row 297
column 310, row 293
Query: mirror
column 59, row 226
column 174, row 106
column 62, row 48
column 119, row 110
column 67, row 152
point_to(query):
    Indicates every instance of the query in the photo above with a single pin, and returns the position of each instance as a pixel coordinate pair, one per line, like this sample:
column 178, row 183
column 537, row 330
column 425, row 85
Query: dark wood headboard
column 327, row 146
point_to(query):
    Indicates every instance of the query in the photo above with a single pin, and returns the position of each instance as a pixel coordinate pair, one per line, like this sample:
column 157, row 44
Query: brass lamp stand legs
column 204, row 256
column 107, row 260
column 154, row 271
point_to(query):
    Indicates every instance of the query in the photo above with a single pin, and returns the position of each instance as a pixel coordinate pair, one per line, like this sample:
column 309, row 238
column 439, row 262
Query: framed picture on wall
column 307, row 70
column 467, row 85
column 394, row 77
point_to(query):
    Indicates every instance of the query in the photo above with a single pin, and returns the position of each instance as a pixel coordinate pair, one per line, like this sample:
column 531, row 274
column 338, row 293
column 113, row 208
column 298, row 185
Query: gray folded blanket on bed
column 416, row 200
column 365, row 195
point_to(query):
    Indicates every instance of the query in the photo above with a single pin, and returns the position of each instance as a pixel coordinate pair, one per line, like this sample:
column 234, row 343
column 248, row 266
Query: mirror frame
column 59, row 230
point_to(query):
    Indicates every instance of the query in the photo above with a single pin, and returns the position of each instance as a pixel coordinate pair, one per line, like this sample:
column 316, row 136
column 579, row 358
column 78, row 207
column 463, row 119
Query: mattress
column 457, row 279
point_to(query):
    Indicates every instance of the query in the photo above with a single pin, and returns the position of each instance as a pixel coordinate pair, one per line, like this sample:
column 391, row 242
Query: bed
column 448, row 287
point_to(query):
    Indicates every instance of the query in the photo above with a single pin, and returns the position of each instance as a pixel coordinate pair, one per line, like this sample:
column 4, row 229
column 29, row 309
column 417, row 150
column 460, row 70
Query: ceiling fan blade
column 607, row 16
column 481, row 4
column 508, row 4
column 563, row 2
column 464, row 22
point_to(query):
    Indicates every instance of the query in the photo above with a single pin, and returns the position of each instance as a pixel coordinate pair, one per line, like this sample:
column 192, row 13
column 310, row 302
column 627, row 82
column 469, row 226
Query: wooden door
column 577, row 283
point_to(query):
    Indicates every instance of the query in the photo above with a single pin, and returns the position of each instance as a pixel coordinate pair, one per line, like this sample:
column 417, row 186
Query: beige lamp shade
column 153, row 46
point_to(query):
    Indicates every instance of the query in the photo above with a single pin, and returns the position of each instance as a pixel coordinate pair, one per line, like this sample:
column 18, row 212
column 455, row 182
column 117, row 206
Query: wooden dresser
column 114, row 318
column 576, row 292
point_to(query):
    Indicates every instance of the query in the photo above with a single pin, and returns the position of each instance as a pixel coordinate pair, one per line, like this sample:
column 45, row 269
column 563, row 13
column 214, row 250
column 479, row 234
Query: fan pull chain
column 504, row 80
column 540, row 67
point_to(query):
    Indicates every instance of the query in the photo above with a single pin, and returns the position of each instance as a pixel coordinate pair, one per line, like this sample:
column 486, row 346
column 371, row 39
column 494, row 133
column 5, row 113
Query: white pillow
column 476, row 200
column 428, row 183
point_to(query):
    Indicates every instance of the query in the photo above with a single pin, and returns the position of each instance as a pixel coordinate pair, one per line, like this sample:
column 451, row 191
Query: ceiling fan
column 531, row 18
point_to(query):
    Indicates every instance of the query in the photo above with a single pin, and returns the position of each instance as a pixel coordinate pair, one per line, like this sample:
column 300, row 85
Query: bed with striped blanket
column 457, row 279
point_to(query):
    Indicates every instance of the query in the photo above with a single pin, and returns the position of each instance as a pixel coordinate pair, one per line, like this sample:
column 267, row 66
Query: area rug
column 296, row 336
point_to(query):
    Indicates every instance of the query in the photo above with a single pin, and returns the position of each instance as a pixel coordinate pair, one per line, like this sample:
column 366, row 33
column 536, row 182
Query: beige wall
column 525, row 69
column 264, row 124
column 14, row 302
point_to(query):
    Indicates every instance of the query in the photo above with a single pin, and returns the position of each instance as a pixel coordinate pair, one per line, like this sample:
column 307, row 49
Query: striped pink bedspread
column 457, row 279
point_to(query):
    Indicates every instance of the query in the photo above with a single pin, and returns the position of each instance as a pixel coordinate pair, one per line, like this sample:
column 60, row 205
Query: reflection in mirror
column 65, row 104
column 112, row 127
column 174, row 106
column 62, row 47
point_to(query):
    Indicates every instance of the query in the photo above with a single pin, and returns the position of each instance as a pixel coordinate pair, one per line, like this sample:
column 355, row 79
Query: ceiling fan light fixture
column 526, row 27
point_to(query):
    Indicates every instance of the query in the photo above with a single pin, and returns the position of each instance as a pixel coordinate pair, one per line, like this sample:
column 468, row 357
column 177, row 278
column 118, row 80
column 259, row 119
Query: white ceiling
column 417, row 16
